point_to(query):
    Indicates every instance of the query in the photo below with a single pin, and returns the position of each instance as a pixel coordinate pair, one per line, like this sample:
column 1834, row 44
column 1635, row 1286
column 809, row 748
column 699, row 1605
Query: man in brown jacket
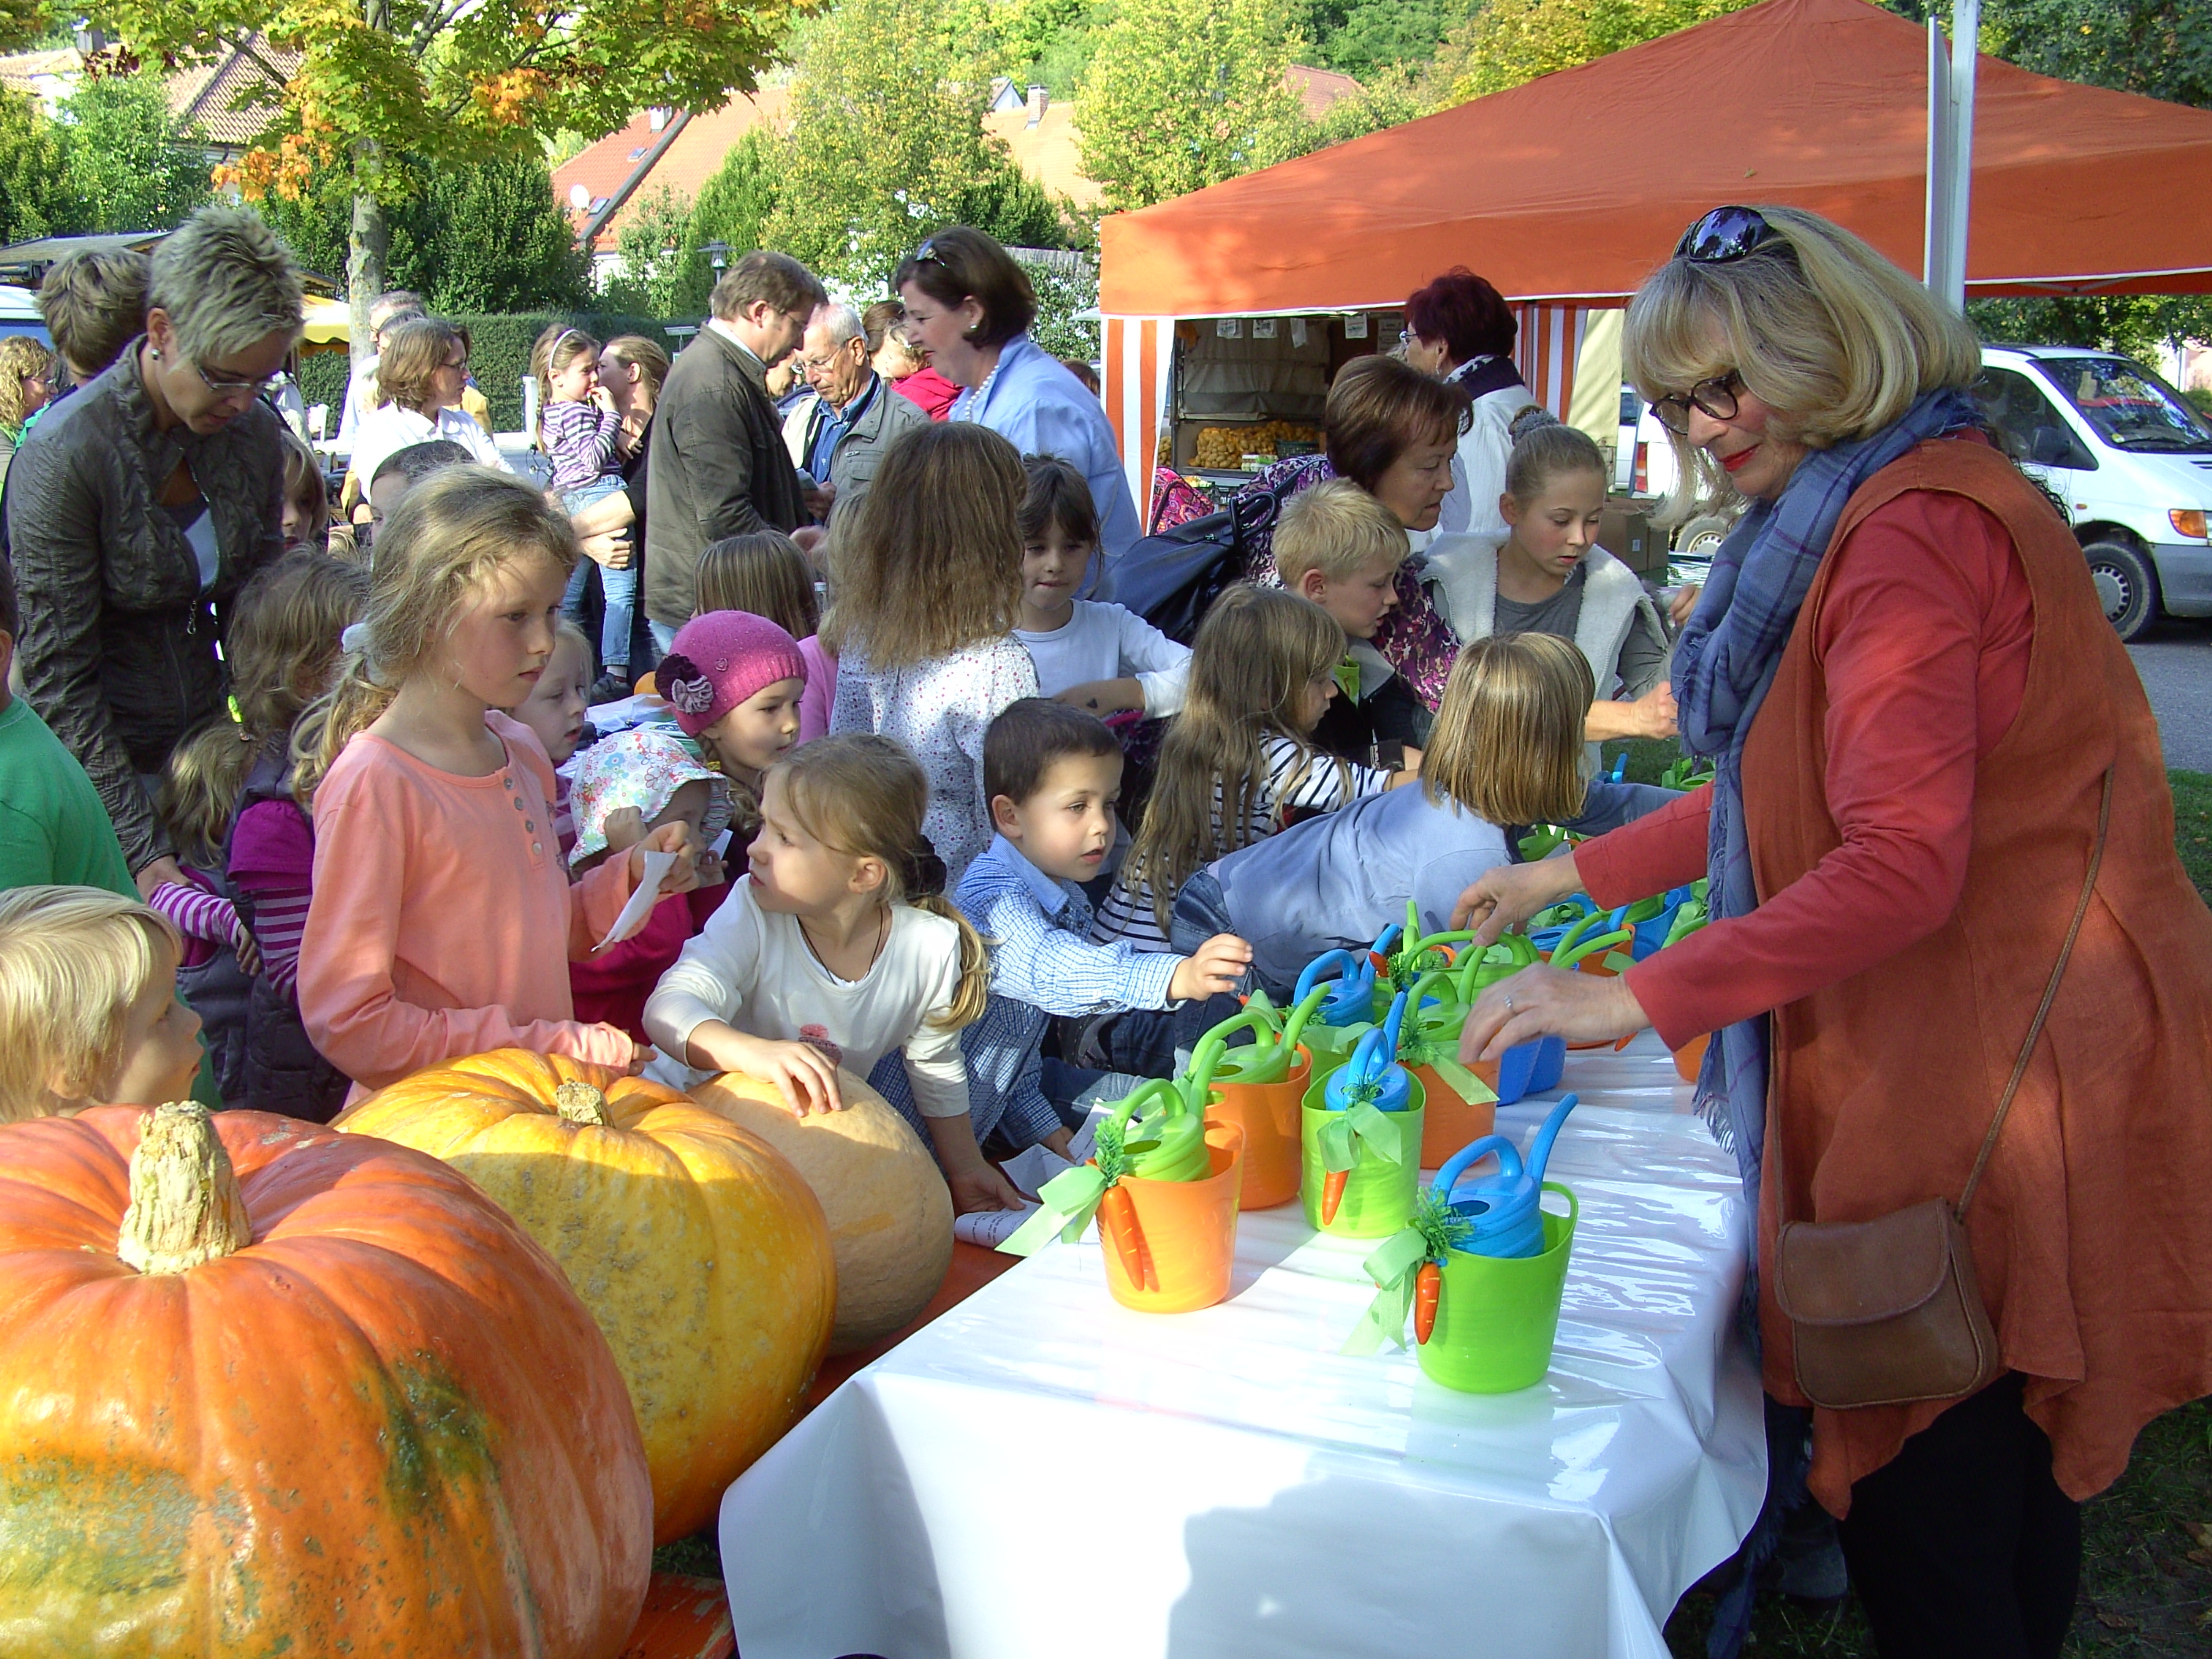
column 718, row 464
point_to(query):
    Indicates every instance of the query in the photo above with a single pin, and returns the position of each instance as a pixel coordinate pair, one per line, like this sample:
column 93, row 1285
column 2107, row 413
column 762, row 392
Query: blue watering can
column 1548, row 925
column 1352, row 1001
column 1374, row 1061
column 1500, row 1210
column 1651, row 921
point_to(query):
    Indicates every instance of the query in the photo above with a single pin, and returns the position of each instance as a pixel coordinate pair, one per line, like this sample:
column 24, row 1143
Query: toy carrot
column 1332, row 1194
column 1428, row 1296
column 1117, row 1210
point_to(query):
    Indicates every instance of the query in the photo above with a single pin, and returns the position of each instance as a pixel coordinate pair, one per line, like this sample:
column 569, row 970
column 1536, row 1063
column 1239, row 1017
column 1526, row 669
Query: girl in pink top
column 442, row 922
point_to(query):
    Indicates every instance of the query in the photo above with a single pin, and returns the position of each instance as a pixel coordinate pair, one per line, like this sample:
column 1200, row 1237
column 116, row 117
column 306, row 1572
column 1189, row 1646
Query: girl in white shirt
column 926, row 580
column 1096, row 655
column 838, row 946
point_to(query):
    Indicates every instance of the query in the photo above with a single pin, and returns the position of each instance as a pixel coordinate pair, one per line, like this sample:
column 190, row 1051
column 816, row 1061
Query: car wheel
column 1701, row 538
column 2126, row 586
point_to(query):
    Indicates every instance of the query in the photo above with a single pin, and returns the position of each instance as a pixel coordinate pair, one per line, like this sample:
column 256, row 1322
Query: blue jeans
column 617, row 588
column 664, row 636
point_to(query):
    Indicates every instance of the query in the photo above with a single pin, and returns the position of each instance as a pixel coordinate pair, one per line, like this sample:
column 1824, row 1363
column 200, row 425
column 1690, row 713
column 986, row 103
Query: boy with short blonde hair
column 1338, row 546
column 89, row 1008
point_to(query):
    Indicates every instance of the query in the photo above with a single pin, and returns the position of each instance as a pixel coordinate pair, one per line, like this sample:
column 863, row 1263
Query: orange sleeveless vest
column 2092, row 1232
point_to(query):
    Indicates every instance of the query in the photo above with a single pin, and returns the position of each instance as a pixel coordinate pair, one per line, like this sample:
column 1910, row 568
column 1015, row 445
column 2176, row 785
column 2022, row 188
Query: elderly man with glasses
column 839, row 435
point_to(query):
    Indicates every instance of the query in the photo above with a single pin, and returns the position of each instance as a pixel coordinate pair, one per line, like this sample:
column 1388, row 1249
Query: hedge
column 499, row 357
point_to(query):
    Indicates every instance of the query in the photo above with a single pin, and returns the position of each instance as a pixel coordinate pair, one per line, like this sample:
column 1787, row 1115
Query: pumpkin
column 701, row 1253
column 890, row 1216
column 273, row 1389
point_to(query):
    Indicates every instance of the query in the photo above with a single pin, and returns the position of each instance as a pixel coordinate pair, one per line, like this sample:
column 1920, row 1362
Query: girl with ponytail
column 442, row 922
column 838, row 947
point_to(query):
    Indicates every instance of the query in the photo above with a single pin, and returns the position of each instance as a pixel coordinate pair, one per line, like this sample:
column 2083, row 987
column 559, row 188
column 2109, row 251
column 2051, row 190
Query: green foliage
column 23, row 24
column 35, row 200
column 1504, row 42
column 1365, row 37
column 2133, row 325
column 1184, row 94
column 1390, row 99
column 2160, row 48
column 1059, row 297
column 487, row 236
column 130, row 166
column 887, row 144
column 661, row 272
column 1009, row 37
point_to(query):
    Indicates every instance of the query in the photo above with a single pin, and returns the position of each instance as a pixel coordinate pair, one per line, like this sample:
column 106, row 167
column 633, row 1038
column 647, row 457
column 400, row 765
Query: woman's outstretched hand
column 1548, row 1001
column 1507, row 895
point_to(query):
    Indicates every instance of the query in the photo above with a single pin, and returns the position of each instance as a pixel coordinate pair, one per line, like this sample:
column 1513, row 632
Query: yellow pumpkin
column 701, row 1252
column 890, row 1216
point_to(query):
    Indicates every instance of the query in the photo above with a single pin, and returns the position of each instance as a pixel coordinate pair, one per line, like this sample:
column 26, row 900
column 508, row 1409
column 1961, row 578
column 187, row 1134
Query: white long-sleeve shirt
column 1105, row 641
column 752, row 969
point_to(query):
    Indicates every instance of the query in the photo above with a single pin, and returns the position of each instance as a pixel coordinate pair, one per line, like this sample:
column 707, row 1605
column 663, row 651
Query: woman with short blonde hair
column 1954, row 955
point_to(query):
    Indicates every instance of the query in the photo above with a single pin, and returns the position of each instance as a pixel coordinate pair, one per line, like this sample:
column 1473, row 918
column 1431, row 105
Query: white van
column 2127, row 458
column 18, row 314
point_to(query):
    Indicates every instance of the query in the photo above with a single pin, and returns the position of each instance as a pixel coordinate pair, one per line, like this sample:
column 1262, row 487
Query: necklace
column 883, row 938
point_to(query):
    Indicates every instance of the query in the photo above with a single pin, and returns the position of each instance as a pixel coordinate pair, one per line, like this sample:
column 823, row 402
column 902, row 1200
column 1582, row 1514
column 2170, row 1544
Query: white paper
column 1299, row 333
column 1355, row 327
column 1263, row 328
column 1229, row 328
column 657, row 866
column 989, row 1229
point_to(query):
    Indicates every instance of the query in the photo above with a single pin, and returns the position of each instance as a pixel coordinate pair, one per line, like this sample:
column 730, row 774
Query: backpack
column 1172, row 578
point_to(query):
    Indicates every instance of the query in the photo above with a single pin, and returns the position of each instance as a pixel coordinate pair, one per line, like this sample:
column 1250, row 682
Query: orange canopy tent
column 1567, row 190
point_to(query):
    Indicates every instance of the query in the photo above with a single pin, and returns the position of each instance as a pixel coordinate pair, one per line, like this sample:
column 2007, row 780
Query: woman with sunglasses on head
column 142, row 505
column 969, row 306
column 1959, row 987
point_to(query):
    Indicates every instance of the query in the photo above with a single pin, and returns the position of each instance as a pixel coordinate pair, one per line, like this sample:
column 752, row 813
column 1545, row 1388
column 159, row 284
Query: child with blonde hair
column 442, row 922
column 927, row 579
column 1239, row 761
column 1340, row 547
column 1506, row 751
column 579, row 430
column 763, row 572
column 89, row 1008
column 554, row 712
column 837, row 948
column 218, row 957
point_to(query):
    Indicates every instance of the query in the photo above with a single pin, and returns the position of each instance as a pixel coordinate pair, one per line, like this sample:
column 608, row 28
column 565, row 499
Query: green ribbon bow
column 1442, row 1059
column 1392, row 1267
column 1362, row 1126
column 1166, row 1144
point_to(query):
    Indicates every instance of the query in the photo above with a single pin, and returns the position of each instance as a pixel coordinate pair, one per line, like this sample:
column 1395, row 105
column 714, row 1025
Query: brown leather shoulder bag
column 1888, row 1312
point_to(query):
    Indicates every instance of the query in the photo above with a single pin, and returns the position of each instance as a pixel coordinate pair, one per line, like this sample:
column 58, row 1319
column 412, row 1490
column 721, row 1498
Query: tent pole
column 1950, row 151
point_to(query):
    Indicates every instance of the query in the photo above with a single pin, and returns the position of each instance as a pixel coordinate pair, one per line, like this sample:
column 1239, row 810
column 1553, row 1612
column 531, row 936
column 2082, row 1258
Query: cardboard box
column 1625, row 532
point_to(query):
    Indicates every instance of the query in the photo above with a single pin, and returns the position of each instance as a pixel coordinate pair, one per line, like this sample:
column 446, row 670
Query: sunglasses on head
column 1725, row 234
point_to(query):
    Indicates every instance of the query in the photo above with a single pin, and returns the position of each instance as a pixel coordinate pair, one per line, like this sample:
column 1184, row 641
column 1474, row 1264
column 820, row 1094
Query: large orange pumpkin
column 270, row 1389
column 890, row 1216
column 699, row 1250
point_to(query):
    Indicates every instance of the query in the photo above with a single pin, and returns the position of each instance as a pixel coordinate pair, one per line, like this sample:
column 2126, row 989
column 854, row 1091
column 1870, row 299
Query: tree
column 1061, row 297
column 1504, row 42
column 385, row 87
column 658, row 269
column 1184, row 94
column 887, row 144
column 130, row 166
column 34, row 200
column 2160, row 48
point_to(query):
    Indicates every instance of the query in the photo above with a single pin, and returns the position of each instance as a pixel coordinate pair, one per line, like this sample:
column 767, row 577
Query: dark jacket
column 118, row 646
column 718, row 468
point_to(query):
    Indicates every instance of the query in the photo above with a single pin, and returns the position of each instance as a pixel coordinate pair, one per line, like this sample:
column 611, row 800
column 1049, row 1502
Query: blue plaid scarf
column 1724, row 663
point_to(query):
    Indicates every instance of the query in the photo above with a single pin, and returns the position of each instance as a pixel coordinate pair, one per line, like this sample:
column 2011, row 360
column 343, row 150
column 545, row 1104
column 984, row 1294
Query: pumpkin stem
column 186, row 1205
column 578, row 1101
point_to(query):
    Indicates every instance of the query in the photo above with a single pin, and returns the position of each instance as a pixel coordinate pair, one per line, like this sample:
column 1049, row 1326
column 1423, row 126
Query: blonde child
column 1240, row 759
column 1506, row 751
column 1340, row 547
column 927, row 577
column 217, row 957
column 555, row 710
column 736, row 681
column 284, row 645
column 442, row 922
column 1096, row 655
column 627, row 787
column 764, row 572
column 307, row 514
column 839, row 947
column 89, row 1008
column 579, row 430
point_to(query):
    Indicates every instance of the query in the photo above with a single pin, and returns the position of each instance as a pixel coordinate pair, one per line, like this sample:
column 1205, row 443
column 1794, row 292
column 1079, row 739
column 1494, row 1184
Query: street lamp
column 718, row 254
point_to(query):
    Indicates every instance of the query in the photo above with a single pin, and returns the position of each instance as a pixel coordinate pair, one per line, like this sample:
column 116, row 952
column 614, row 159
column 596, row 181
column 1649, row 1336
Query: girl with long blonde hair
column 1239, row 762
column 926, row 580
column 836, row 948
column 442, row 921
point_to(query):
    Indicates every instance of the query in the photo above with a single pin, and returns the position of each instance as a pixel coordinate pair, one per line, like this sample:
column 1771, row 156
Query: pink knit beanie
column 720, row 660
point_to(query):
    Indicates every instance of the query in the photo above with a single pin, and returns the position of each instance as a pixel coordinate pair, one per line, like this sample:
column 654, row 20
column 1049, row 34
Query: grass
column 2146, row 1544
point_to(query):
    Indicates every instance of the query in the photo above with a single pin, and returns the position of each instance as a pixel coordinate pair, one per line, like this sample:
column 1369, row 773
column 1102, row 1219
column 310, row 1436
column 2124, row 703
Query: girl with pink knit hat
column 735, row 681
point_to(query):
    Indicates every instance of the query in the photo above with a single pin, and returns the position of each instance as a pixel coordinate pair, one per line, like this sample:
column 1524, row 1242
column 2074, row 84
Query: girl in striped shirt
column 1238, row 762
column 579, row 430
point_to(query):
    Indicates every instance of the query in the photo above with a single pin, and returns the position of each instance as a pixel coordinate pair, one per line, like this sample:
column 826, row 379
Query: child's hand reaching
column 248, row 953
column 1217, row 965
column 677, row 838
column 805, row 1077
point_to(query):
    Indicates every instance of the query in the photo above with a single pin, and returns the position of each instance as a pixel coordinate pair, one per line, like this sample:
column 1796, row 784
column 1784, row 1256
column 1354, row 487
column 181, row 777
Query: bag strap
column 2049, row 996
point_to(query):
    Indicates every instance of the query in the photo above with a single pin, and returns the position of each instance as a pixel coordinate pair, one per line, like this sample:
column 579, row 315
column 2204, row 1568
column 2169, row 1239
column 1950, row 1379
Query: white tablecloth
column 1043, row 1472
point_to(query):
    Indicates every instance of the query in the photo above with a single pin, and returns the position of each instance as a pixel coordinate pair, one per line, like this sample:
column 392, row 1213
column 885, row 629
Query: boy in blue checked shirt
column 1052, row 773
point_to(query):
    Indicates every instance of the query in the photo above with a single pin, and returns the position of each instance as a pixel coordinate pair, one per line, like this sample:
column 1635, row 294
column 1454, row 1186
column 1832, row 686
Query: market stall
column 1042, row 1470
column 1565, row 191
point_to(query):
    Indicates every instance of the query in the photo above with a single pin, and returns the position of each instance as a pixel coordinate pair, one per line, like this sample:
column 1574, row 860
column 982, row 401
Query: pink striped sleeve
column 197, row 915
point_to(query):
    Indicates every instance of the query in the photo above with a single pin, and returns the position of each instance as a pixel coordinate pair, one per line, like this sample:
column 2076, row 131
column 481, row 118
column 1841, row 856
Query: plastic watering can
column 1483, row 968
column 1500, row 1211
column 1546, row 925
column 1374, row 1065
column 1582, row 939
column 1351, row 1001
column 1652, row 920
column 1166, row 1140
column 1267, row 1058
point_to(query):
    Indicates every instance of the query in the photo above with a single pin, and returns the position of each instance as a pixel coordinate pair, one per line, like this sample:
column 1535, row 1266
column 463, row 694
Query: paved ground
column 2175, row 661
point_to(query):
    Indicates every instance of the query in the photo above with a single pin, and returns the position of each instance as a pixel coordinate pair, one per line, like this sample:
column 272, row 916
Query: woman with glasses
column 969, row 308
column 424, row 371
column 142, row 505
column 1958, row 985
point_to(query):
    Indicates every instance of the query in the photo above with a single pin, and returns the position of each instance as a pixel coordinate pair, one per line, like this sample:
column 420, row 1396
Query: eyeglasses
column 221, row 388
column 1717, row 397
column 1726, row 234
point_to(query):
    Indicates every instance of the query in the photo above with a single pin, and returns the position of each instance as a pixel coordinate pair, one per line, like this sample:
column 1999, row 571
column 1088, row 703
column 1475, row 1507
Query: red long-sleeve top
column 1924, row 641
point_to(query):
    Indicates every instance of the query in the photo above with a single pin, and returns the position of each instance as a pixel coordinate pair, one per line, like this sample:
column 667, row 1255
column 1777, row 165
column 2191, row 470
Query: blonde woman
column 928, row 581
column 1940, row 849
column 420, row 372
column 24, row 366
